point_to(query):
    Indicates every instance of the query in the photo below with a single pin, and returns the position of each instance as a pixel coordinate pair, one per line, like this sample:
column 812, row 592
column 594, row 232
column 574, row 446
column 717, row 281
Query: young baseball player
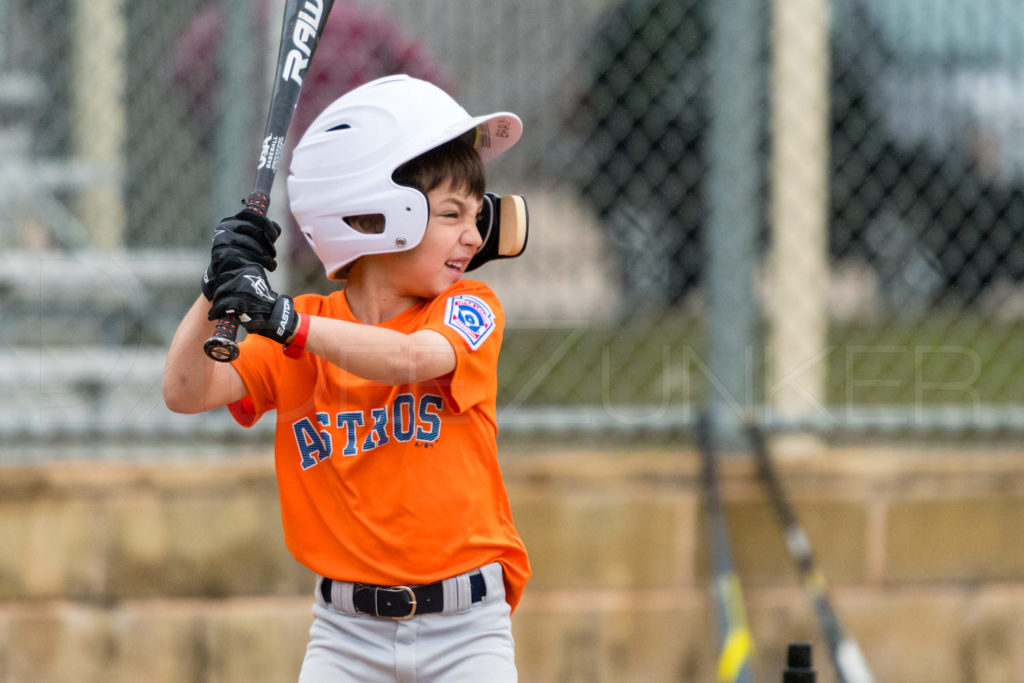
column 384, row 390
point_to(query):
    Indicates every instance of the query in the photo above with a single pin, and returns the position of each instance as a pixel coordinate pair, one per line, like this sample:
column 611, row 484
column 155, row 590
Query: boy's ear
column 504, row 226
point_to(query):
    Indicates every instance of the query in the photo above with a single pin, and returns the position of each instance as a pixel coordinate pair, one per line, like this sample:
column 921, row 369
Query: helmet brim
column 494, row 134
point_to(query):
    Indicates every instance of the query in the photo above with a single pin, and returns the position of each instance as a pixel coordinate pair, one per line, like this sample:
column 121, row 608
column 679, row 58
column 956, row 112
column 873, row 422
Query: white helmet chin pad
column 343, row 164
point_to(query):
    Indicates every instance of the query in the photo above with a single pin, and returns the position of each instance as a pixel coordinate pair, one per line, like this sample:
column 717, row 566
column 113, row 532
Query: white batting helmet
column 342, row 165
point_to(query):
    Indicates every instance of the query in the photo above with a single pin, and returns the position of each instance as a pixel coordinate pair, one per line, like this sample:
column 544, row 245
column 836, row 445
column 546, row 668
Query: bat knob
column 222, row 346
column 220, row 349
column 798, row 664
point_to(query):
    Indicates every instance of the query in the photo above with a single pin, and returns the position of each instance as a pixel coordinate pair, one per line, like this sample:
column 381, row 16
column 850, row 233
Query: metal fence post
column 737, row 106
column 236, row 138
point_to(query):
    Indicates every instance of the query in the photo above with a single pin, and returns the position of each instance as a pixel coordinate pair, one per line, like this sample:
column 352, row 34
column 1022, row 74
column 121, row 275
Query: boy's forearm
column 380, row 354
column 188, row 371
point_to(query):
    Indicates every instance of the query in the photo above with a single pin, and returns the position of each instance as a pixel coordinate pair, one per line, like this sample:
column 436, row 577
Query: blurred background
column 807, row 211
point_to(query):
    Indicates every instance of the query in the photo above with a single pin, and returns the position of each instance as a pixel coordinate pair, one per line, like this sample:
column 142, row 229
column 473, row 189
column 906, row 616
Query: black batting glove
column 244, row 239
column 246, row 292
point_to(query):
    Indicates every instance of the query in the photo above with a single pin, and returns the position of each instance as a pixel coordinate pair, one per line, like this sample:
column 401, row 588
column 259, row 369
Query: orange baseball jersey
column 391, row 485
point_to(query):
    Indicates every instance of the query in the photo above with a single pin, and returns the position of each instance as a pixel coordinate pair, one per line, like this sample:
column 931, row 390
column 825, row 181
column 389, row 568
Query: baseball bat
column 301, row 28
column 844, row 652
column 734, row 656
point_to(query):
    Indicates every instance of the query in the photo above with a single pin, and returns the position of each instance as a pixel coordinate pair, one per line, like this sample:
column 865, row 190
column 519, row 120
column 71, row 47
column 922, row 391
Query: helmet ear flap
column 487, row 221
column 504, row 225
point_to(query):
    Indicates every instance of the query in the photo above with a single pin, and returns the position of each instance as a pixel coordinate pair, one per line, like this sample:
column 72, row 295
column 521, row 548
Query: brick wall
column 177, row 571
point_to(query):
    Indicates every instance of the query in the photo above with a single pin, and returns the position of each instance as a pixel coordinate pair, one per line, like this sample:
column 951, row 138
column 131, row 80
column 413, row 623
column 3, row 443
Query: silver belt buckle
column 396, row 589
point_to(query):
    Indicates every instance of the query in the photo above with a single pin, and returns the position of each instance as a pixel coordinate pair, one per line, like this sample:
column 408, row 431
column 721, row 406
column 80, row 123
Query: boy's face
column 448, row 245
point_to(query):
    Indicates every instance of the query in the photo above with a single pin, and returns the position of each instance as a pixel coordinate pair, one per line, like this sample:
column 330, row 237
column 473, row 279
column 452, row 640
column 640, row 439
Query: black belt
column 402, row 602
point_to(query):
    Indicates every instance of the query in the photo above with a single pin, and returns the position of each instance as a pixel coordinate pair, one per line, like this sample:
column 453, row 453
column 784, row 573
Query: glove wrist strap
column 297, row 345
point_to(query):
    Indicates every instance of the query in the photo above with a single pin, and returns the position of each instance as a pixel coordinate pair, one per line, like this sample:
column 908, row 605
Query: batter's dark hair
column 456, row 162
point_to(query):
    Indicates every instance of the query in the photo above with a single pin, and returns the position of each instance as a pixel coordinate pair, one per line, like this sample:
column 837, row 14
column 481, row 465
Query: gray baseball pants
column 467, row 642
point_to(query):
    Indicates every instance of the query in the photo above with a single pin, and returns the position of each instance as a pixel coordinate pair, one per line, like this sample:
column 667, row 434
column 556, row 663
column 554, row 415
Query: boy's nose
column 471, row 236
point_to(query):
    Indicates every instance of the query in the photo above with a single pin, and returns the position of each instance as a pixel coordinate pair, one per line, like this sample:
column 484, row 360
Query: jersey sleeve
column 255, row 366
column 471, row 318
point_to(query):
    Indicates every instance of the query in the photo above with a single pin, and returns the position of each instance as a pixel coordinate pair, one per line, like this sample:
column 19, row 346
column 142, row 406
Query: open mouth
column 458, row 265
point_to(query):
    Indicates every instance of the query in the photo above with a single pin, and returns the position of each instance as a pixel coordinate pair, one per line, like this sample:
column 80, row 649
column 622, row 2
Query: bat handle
column 222, row 346
column 258, row 202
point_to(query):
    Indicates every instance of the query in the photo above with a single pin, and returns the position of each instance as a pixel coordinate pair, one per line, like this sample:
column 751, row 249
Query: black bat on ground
column 301, row 28
column 734, row 657
column 846, row 656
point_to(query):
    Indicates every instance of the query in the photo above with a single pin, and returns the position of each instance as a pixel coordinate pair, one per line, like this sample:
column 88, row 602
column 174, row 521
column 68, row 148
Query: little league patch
column 471, row 317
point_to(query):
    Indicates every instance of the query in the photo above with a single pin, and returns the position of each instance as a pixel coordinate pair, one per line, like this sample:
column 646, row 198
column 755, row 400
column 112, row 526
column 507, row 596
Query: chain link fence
column 812, row 207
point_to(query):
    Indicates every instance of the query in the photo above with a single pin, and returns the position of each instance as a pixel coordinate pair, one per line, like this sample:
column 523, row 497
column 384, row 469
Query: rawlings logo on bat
column 271, row 151
column 304, row 35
